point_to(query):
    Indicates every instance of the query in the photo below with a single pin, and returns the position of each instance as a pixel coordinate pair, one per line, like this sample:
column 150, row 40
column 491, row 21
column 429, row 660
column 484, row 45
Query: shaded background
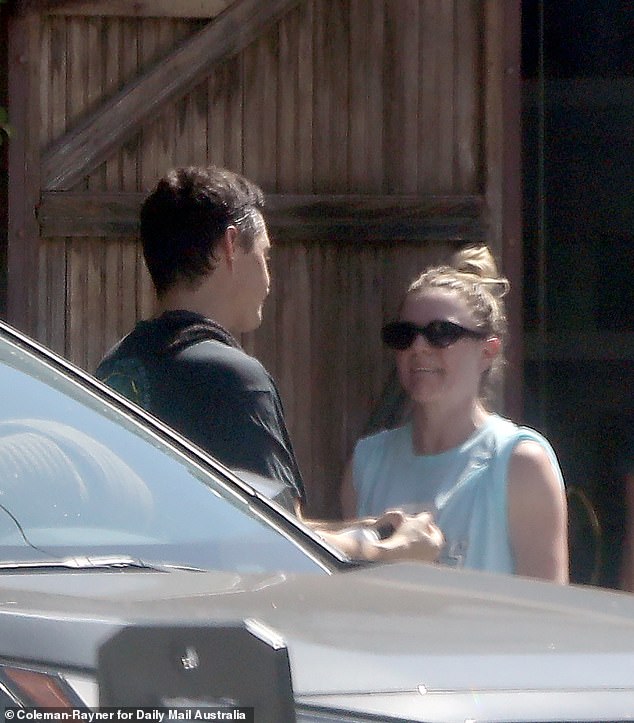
column 578, row 171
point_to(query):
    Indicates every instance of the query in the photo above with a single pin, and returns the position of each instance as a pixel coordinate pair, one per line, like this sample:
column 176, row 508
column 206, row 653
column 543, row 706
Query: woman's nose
column 420, row 343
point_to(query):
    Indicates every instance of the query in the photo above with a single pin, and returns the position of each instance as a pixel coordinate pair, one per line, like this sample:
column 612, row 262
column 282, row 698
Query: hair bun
column 479, row 261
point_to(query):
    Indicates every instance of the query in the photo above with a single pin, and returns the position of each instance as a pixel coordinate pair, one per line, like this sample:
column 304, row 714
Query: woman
column 495, row 489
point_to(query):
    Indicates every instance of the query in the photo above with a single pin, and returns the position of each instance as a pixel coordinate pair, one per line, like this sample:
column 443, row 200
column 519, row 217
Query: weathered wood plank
column 361, row 218
column 401, row 107
column 112, row 49
column 82, row 149
column 53, row 311
column 331, row 106
column 95, row 83
column 324, row 320
column 468, row 80
column 93, row 311
column 428, row 93
column 444, row 37
column 289, row 150
column 359, row 78
column 293, row 105
column 78, row 250
column 158, row 137
column 77, row 62
column 365, row 151
column 44, row 327
column 24, row 171
column 187, row 127
column 197, row 126
column 123, row 48
column 226, row 100
column 502, row 33
column 156, row 151
column 259, row 140
column 141, row 8
column 353, row 218
column 22, row 7
column 294, row 364
column 45, row 79
column 58, row 68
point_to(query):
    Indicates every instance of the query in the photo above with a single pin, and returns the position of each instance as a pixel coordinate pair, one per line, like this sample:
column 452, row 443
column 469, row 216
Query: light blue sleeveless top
column 464, row 487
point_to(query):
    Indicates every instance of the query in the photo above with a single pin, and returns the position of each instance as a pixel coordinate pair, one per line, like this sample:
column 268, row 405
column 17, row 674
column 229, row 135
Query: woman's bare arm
column 537, row 514
column 627, row 553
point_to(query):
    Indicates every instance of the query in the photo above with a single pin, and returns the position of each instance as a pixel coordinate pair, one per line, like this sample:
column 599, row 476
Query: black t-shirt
column 191, row 373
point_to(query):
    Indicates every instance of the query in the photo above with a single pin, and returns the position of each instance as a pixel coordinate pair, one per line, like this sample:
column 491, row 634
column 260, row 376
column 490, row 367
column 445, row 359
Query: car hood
column 385, row 629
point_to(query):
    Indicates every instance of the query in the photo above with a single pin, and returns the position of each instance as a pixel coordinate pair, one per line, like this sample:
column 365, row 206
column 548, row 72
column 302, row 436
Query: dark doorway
column 578, row 160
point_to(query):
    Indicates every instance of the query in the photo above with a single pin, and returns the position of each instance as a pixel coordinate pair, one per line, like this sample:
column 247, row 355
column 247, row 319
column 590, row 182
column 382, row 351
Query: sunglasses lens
column 398, row 335
column 439, row 334
column 442, row 334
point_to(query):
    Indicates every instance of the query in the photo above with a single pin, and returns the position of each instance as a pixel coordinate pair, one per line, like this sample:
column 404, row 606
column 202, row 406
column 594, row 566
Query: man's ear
column 227, row 246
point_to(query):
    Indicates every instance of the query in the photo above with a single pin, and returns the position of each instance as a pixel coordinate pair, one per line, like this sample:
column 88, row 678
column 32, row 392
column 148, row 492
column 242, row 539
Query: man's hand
column 399, row 536
column 391, row 537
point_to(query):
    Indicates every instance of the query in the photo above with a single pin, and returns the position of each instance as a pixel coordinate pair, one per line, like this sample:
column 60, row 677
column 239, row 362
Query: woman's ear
column 492, row 347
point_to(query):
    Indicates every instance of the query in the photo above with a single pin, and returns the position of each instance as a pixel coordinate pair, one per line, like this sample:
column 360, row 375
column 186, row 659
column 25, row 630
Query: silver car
column 111, row 522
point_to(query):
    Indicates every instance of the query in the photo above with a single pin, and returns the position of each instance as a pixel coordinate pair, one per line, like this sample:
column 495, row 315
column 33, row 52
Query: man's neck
column 198, row 300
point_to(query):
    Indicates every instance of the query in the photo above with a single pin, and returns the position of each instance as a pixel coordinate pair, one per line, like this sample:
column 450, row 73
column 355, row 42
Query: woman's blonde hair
column 472, row 273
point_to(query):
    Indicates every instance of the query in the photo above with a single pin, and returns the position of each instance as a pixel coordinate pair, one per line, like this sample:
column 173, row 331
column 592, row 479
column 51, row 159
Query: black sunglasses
column 440, row 334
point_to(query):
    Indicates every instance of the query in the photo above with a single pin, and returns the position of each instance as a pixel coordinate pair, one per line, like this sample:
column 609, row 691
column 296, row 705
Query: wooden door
column 383, row 132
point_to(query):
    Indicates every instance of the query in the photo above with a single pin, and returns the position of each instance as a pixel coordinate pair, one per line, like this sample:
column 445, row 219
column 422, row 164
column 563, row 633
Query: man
column 206, row 247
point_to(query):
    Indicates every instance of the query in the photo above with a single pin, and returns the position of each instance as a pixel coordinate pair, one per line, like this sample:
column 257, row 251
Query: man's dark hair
column 187, row 213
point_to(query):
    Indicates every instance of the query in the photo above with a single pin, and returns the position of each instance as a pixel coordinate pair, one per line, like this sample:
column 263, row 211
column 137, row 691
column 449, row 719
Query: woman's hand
column 400, row 536
column 391, row 537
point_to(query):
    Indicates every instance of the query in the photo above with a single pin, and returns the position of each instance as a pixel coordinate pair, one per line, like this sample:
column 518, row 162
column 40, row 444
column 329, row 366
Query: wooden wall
column 4, row 210
column 365, row 121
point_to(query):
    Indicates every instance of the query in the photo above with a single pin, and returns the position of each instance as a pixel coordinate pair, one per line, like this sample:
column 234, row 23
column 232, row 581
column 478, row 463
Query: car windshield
column 78, row 477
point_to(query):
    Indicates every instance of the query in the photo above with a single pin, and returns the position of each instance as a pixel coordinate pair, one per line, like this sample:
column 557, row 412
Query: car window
column 79, row 477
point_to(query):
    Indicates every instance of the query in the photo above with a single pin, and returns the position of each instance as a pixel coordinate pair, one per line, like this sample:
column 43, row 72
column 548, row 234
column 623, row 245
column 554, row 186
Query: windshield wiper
column 79, row 562
column 97, row 562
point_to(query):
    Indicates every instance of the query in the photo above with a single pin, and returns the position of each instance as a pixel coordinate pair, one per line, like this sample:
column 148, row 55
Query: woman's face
column 451, row 374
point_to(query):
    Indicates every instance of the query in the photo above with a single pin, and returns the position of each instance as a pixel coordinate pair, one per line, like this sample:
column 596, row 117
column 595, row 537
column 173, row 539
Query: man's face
column 253, row 280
